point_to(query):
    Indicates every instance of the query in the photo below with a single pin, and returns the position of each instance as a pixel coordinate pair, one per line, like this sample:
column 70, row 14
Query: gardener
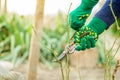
column 100, row 22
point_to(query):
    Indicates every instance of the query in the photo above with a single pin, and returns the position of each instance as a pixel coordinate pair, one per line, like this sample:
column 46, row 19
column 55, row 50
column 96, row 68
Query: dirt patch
column 44, row 73
column 86, row 63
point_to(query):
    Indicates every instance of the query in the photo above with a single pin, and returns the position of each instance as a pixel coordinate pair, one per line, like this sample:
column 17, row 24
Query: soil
column 44, row 73
column 87, row 68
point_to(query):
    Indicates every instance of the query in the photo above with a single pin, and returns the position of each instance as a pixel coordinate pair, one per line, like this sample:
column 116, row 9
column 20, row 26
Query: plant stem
column 118, row 28
column 109, row 61
column 108, row 55
column 67, row 67
column 115, row 69
column 69, row 9
column 116, row 51
column 60, row 63
column 68, row 39
column 61, row 67
column 105, row 64
column 112, row 47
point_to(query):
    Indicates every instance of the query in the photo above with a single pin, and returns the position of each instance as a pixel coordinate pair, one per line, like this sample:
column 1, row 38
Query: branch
column 118, row 28
column 115, row 70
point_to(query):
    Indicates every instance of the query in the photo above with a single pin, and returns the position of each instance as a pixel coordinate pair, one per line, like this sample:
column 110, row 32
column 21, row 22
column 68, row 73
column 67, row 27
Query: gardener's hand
column 77, row 17
column 87, row 41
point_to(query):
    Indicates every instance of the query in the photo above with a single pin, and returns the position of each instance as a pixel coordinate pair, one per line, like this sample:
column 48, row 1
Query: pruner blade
column 61, row 56
column 68, row 50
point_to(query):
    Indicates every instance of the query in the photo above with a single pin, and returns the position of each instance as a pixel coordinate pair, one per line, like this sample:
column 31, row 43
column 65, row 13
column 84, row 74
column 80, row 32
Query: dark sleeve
column 105, row 13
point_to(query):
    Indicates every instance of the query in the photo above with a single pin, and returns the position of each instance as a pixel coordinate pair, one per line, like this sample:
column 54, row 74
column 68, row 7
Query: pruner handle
column 82, row 35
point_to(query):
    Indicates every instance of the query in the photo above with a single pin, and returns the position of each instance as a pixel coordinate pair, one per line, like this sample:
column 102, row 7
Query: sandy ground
column 44, row 73
column 87, row 68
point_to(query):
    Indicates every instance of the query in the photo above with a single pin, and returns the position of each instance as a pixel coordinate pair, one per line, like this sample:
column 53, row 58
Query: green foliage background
column 15, row 34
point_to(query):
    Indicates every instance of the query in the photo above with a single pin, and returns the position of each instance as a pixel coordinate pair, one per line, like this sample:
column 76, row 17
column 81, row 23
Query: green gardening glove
column 94, row 29
column 77, row 17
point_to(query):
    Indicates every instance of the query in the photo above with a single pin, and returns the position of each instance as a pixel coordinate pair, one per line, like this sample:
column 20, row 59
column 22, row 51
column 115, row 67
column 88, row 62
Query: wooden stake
column 5, row 7
column 35, row 43
column 0, row 6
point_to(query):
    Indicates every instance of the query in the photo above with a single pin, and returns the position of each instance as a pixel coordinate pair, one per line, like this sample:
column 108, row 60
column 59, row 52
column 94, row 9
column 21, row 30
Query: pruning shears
column 70, row 48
